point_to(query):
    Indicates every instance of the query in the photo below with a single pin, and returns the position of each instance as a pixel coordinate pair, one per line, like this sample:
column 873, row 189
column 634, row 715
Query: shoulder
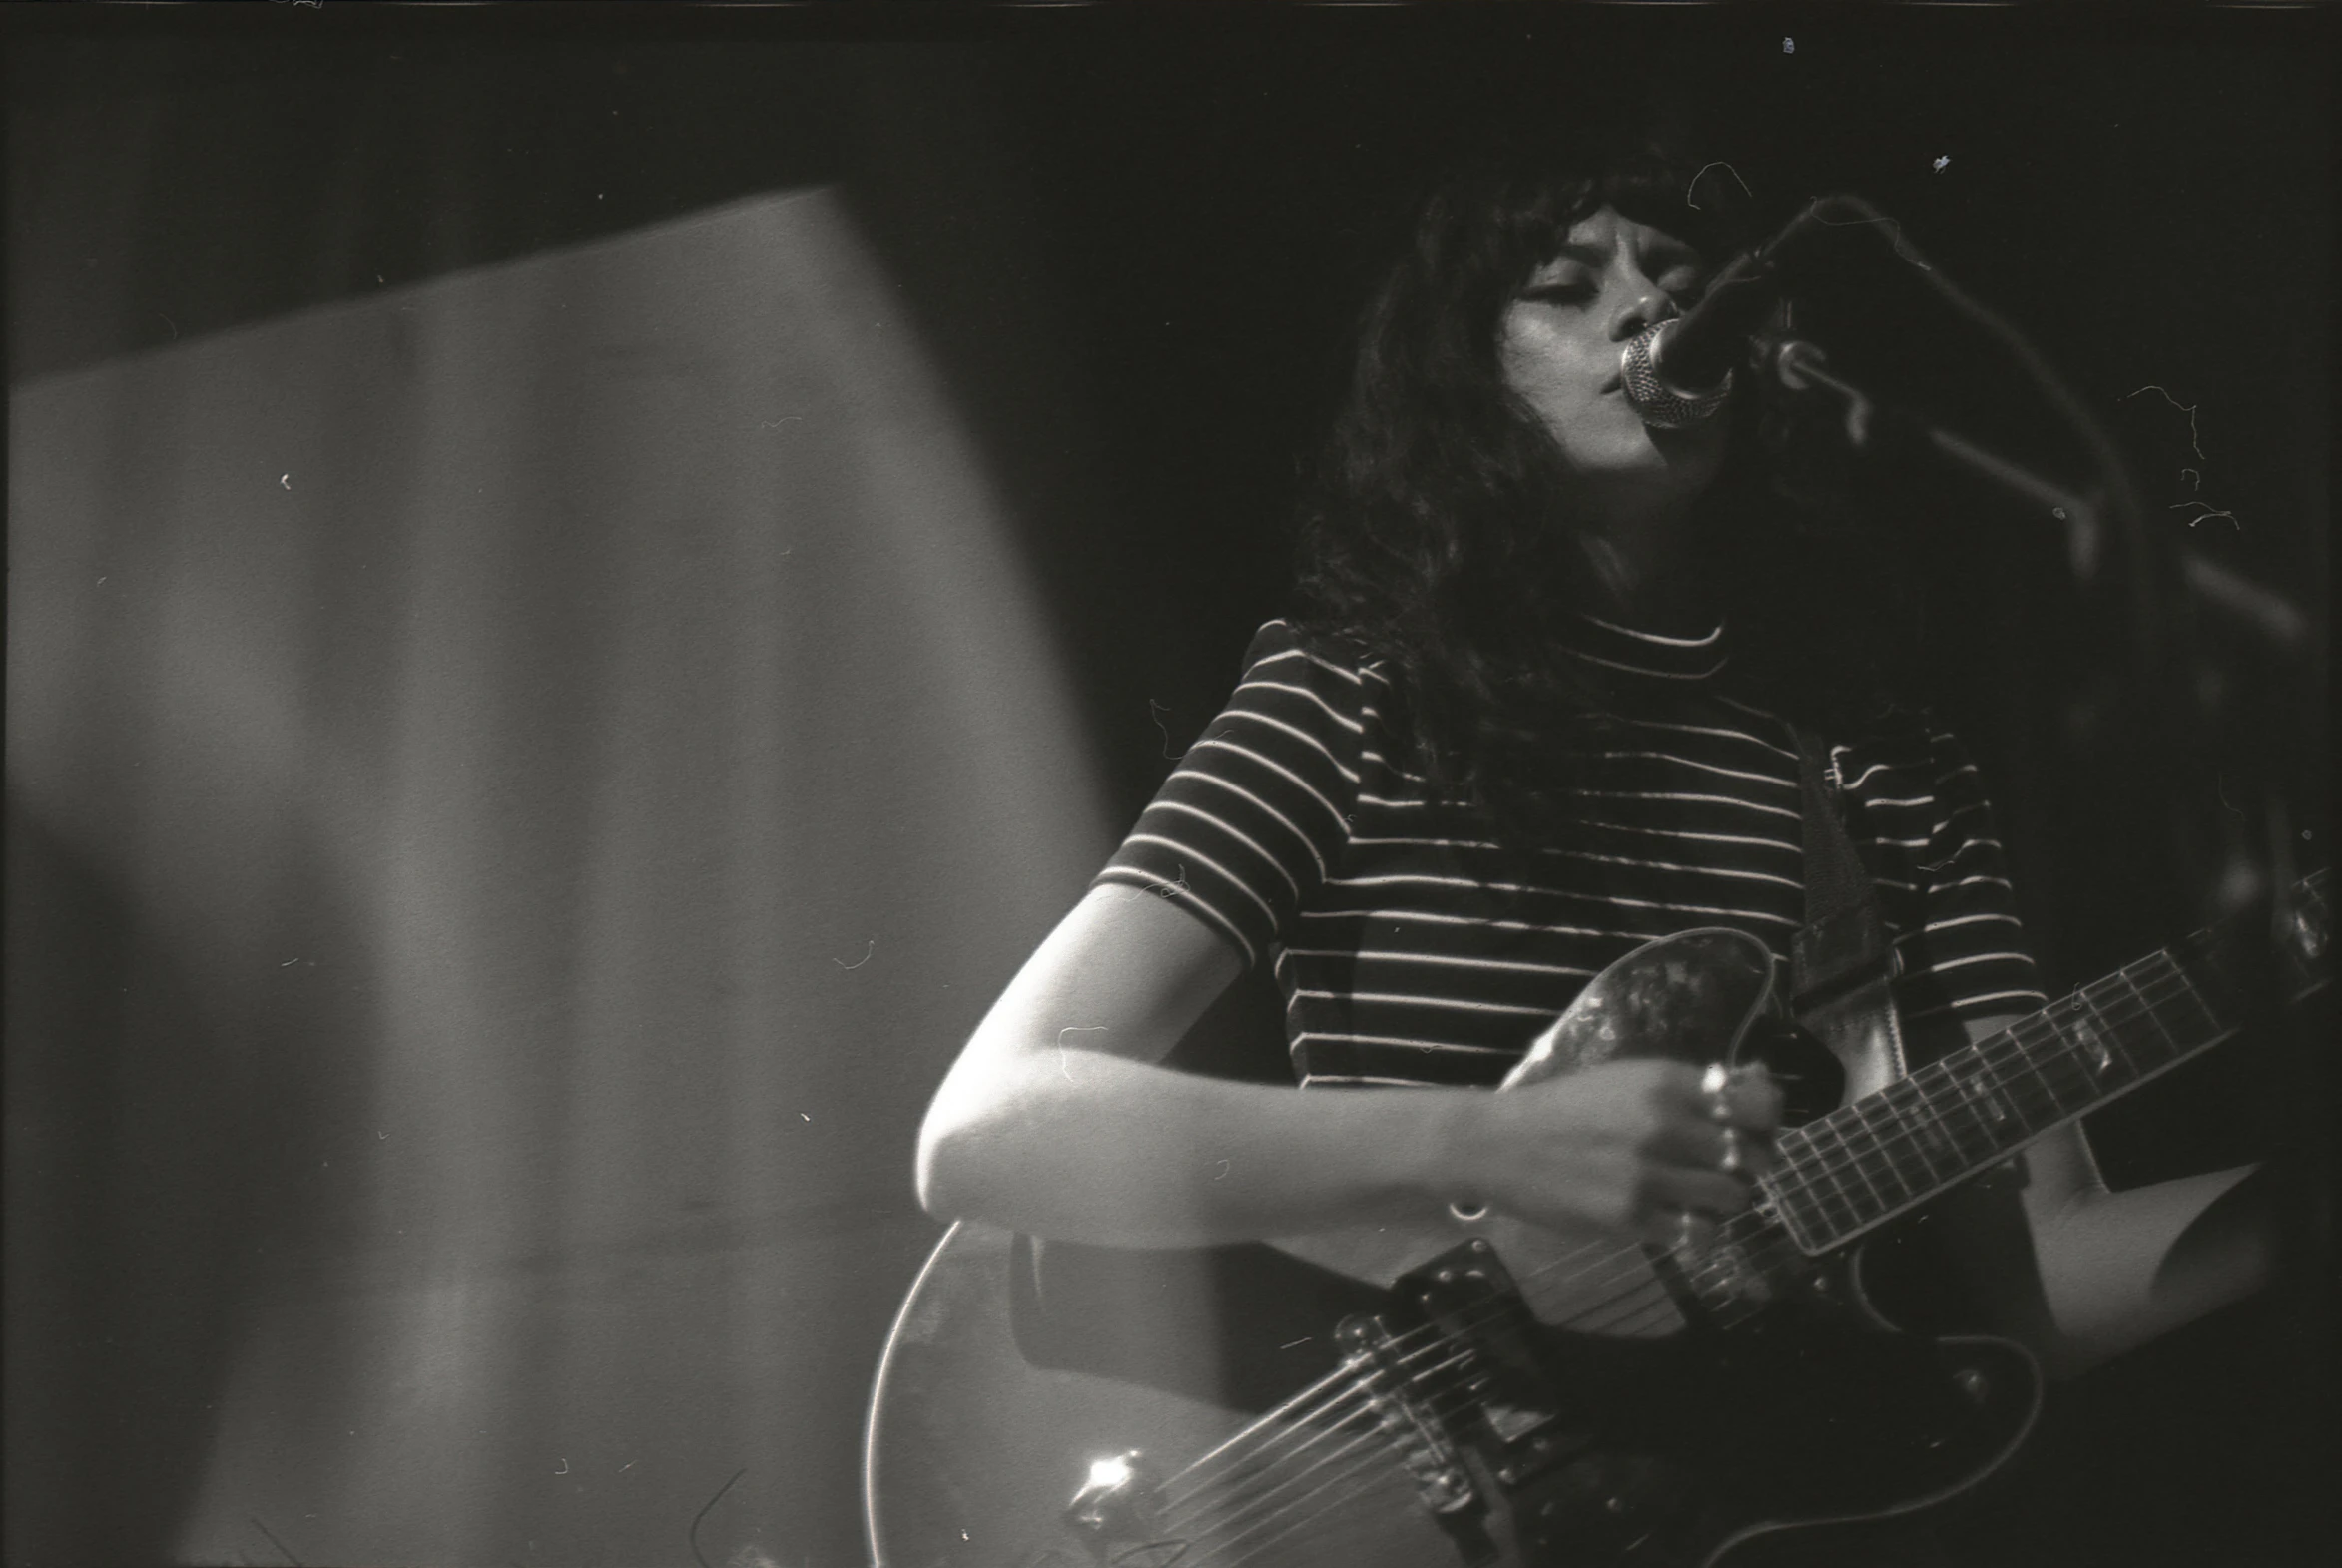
column 1307, row 677
column 1901, row 752
column 1281, row 647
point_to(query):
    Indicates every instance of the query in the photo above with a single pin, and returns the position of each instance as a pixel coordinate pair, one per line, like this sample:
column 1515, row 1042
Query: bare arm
column 1057, row 1120
column 2082, row 1274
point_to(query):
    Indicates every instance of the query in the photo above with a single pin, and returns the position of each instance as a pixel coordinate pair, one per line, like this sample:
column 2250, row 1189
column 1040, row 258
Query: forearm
column 2082, row 1274
column 1082, row 1146
column 1056, row 1121
column 2119, row 1269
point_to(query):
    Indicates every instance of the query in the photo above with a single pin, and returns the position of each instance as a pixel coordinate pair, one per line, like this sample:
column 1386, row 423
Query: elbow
column 960, row 1171
column 939, row 1174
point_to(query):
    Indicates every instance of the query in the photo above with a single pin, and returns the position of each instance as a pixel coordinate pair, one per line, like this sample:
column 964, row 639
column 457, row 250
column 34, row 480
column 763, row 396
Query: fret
column 2159, row 1010
column 2138, row 1023
column 1832, row 1163
column 1968, row 1137
column 1863, row 1201
column 1980, row 1088
column 1796, row 1203
column 2197, row 963
column 2097, row 1044
column 2307, row 937
column 2011, row 1123
column 1871, row 1157
column 2093, row 1052
column 1845, row 1171
column 2225, row 970
column 1834, row 1207
column 1915, row 1140
column 1858, row 1153
column 2093, row 1049
column 2040, row 1068
column 2193, row 1014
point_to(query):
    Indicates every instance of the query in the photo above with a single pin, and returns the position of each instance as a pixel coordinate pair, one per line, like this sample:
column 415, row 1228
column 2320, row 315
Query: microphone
column 1679, row 373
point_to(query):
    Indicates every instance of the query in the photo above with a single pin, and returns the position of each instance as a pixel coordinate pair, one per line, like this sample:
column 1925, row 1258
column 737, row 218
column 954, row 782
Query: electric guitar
column 1483, row 1391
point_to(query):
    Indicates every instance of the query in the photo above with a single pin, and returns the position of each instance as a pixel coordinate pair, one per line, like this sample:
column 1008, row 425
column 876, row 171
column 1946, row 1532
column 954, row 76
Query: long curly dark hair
column 1433, row 536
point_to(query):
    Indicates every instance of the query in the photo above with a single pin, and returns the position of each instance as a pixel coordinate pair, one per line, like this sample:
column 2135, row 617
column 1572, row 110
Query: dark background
column 1133, row 241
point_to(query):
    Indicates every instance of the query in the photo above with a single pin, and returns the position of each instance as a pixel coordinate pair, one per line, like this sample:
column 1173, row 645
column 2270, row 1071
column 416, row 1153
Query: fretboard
column 1864, row 1162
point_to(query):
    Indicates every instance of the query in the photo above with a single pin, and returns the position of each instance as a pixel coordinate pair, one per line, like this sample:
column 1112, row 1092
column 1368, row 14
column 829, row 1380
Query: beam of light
column 607, row 674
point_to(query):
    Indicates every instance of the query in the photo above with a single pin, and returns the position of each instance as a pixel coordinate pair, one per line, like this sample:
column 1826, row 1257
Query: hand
column 1631, row 1146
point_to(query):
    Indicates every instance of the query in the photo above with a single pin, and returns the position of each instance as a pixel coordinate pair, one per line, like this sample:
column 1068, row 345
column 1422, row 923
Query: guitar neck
column 1869, row 1160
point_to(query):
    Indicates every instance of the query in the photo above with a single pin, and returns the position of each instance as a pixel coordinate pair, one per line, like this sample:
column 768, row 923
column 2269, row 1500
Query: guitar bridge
column 1379, row 1371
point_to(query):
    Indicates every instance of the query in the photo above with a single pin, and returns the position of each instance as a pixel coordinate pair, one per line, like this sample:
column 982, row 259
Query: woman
column 1536, row 712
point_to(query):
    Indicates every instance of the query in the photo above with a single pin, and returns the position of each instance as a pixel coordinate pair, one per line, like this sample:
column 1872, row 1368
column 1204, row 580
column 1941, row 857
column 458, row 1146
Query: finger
column 1691, row 1141
column 1681, row 1231
column 1713, row 1146
column 1752, row 1100
column 1704, row 1190
column 1747, row 1154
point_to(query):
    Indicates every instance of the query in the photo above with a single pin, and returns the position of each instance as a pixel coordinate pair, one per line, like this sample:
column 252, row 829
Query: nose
column 1647, row 305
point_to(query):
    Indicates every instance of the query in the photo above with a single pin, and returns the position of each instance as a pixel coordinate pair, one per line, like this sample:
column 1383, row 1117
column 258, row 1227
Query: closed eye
column 1686, row 285
column 1561, row 294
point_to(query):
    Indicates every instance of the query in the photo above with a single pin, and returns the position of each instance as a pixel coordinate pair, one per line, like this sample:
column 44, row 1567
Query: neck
column 1641, row 571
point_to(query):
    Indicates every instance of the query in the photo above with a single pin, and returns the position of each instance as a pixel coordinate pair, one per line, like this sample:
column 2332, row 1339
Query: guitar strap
column 1841, row 964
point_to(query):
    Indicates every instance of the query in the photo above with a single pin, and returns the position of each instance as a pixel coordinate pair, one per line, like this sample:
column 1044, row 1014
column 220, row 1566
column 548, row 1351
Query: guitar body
column 1691, row 1444
column 1481, row 1393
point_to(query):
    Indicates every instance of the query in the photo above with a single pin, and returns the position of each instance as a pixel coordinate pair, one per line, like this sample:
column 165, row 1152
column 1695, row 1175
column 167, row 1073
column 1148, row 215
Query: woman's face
column 1560, row 342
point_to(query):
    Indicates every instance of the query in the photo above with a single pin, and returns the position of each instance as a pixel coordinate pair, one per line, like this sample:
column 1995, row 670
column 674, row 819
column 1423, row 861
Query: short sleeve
column 1966, row 957
column 1244, row 830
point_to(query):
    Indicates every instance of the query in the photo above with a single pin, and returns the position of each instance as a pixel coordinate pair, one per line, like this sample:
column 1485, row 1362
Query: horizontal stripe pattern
column 1412, row 949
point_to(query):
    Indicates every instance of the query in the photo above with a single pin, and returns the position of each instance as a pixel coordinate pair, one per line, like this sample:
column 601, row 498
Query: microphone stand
column 2268, row 617
column 2165, row 664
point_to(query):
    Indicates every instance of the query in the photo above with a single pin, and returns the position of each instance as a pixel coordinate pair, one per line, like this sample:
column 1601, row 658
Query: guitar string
column 1288, row 1513
column 1605, row 1312
column 2168, row 983
column 1461, row 1396
column 1400, row 1506
column 1258, row 1495
column 1649, row 1294
column 1417, row 1344
column 1998, row 1049
column 1390, row 1455
column 1409, row 1508
column 1432, row 1397
column 1346, row 1373
column 2143, row 1005
column 1296, row 1437
column 1236, row 1496
column 1341, row 1374
column 2013, row 1044
column 1389, row 1452
column 1366, row 1451
column 1374, row 1450
column 1996, row 1052
column 2144, row 1002
column 1254, row 1467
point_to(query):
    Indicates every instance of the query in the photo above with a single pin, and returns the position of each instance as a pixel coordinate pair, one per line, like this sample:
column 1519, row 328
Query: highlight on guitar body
column 1482, row 1391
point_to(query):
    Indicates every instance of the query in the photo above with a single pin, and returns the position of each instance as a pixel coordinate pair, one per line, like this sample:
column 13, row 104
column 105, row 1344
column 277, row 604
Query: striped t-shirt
column 1412, row 949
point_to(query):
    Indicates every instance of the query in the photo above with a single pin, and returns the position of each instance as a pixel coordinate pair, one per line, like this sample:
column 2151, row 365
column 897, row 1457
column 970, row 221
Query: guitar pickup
column 1468, row 1295
column 1471, row 1298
